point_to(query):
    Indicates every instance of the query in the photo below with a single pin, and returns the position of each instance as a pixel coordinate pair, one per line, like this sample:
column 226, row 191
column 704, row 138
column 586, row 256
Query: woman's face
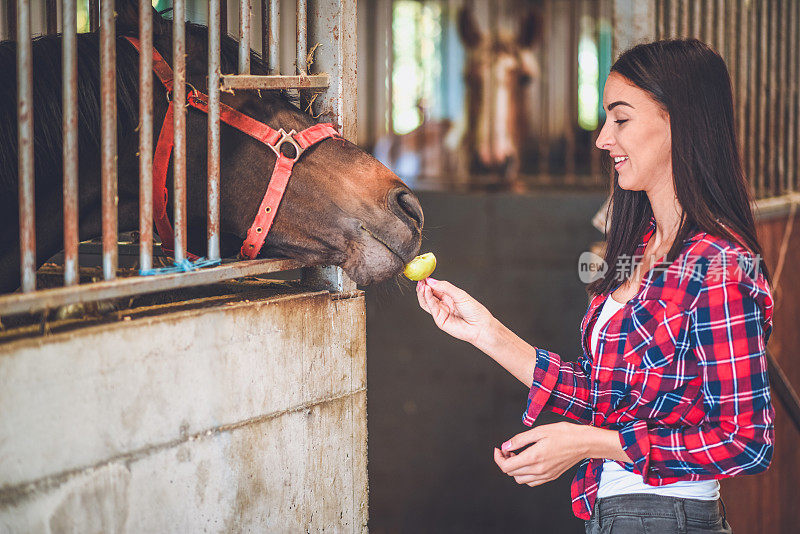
column 637, row 135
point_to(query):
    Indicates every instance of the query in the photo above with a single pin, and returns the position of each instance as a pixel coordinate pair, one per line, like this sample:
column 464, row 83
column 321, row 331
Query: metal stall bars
column 333, row 22
column 759, row 42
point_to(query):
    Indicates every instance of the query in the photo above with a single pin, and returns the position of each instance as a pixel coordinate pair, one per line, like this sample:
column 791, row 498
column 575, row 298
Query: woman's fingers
column 525, row 438
column 421, row 297
column 439, row 310
column 529, row 469
column 442, row 287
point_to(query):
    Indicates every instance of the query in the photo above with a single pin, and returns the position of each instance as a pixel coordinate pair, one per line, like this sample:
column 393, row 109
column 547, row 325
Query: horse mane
column 47, row 96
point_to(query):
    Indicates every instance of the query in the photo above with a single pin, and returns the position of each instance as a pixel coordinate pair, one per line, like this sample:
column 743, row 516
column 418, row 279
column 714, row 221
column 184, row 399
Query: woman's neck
column 667, row 212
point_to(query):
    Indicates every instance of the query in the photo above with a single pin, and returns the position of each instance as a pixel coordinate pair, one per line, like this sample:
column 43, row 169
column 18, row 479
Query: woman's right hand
column 453, row 310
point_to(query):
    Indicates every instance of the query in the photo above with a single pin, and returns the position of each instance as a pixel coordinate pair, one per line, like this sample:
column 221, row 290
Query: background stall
column 437, row 406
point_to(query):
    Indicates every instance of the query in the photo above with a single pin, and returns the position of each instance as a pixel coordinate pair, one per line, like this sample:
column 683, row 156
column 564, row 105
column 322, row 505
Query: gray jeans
column 641, row 513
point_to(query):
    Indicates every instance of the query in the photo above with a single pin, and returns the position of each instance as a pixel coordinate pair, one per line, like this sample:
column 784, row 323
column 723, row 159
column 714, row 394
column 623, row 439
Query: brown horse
column 342, row 207
column 498, row 69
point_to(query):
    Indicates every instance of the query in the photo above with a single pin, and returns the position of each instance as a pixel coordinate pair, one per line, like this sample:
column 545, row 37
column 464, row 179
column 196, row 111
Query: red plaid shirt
column 680, row 372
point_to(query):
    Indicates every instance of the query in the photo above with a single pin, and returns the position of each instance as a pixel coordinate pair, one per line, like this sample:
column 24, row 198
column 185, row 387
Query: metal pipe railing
column 179, row 125
column 108, row 136
column 145, row 136
column 101, row 16
column 27, row 223
column 69, row 61
column 302, row 36
column 274, row 32
column 245, row 8
column 214, row 49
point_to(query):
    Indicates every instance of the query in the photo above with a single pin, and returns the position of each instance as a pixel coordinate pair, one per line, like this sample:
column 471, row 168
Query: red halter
column 265, row 216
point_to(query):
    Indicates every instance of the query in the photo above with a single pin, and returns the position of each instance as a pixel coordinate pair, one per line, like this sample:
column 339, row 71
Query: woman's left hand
column 556, row 448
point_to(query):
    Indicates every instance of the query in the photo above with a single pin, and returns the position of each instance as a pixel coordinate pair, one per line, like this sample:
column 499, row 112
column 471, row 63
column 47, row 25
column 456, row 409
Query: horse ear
column 468, row 28
column 530, row 32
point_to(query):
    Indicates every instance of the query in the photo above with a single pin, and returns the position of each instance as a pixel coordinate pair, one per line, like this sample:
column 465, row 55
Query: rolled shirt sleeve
column 562, row 387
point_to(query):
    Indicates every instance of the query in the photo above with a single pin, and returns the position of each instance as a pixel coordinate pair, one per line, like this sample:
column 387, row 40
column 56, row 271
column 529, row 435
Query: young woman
column 671, row 390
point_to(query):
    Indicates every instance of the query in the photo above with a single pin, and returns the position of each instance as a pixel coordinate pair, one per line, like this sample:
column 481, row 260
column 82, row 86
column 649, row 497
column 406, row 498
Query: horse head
column 499, row 67
column 341, row 206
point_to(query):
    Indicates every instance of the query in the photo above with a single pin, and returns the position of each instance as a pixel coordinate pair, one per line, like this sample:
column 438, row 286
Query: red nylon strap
column 257, row 233
column 255, row 129
column 160, row 66
column 265, row 216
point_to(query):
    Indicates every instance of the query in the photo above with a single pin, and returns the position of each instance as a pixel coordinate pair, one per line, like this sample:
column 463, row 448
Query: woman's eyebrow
column 618, row 103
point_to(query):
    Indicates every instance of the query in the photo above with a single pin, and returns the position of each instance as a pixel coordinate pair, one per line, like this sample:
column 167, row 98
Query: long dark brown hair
column 691, row 83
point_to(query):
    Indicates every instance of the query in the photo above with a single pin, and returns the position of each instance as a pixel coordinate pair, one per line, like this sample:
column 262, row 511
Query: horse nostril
column 405, row 204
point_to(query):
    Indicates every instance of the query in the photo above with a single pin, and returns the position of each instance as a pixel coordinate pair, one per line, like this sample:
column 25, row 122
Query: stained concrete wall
column 250, row 416
column 437, row 406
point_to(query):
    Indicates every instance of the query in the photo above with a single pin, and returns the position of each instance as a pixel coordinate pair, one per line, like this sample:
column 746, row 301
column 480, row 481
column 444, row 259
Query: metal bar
column 69, row 62
column 108, row 136
column 274, row 24
column 708, row 17
column 544, row 144
column 51, row 17
column 722, row 24
column 179, row 126
column 780, row 128
column 771, row 141
column 685, row 28
column 752, row 117
column 94, row 15
column 673, row 18
column 597, row 9
column 763, row 92
column 214, row 51
column 145, row 136
column 27, row 206
column 245, row 9
column 302, row 36
column 793, row 176
column 661, row 19
column 17, row 303
column 739, row 44
column 572, row 106
column 337, row 105
column 252, row 81
column 694, row 17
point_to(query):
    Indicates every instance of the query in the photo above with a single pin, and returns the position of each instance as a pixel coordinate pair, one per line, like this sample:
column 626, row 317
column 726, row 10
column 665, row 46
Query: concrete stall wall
column 249, row 416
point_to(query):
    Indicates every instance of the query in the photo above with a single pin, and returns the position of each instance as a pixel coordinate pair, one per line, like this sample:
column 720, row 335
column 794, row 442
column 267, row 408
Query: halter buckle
column 287, row 137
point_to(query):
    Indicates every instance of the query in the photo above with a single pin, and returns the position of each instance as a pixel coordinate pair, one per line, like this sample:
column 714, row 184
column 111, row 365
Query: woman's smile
column 619, row 162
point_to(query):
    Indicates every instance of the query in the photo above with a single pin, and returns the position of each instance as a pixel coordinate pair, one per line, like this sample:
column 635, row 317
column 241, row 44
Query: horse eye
column 525, row 78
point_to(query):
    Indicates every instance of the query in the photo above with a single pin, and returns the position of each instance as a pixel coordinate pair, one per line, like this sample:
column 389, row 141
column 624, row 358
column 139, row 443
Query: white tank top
column 614, row 479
